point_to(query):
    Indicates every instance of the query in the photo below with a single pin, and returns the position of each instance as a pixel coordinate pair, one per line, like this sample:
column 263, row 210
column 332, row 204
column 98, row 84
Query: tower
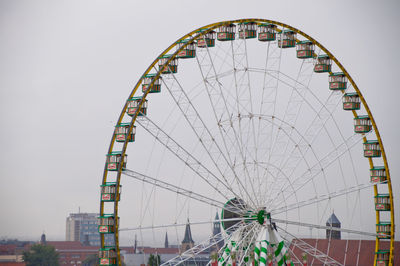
column 166, row 240
column 216, row 240
column 333, row 221
column 43, row 239
column 135, row 245
column 187, row 242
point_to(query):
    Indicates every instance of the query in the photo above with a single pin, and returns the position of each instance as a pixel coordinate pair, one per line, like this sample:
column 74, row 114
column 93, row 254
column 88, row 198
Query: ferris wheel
column 258, row 121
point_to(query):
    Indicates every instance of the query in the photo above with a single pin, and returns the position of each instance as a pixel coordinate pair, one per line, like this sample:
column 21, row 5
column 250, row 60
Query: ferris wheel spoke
column 215, row 95
column 300, row 149
column 310, row 250
column 272, row 121
column 316, row 226
column 296, row 259
column 270, row 85
column 251, row 136
column 292, row 110
column 186, row 157
column 314, row 200
column 202, row 132
column 268, row 98
column 298, row 88
column 326, row 161
column 236, row 245
column 173, row 188
column 239, row 54
column 279, row 142
column 322, row 117
column 313, row 130
column 335, row 153
column 243, row 90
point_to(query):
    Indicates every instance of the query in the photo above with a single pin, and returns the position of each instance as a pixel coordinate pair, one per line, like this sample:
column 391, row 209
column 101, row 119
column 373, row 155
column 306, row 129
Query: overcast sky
column 67, row 67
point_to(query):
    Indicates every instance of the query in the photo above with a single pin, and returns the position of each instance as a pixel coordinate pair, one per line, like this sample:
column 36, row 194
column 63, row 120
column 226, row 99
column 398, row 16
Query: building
column 217, row 240
column 8, row 263
column 346, row 252
column 75, row 253
column 83, row 227
column 333, row 221
column 166, row 245
column 187, row 242
column 11, row 252
column 142, row 255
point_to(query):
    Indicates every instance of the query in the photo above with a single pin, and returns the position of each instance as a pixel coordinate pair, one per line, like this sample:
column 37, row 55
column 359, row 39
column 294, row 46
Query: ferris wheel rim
column 201, row 32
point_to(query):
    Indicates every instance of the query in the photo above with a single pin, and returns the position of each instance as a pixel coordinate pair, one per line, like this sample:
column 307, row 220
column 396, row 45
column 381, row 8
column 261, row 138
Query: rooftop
column 335, row 248
column 333, row 220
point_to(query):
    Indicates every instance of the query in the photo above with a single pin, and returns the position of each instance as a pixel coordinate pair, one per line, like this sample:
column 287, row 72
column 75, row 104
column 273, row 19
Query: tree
column 154, row 260
column 41, row 255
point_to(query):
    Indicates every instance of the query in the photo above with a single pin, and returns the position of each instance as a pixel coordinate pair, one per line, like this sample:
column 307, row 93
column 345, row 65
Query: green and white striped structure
column 229, row 249
column 273, row 248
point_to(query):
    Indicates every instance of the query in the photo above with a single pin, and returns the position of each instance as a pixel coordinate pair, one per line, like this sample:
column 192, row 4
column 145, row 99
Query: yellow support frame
column 198, row 33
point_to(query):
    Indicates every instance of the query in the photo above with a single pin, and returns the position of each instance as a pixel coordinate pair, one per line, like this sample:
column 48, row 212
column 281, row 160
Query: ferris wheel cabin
column 207, row 40
column 122, row 133
column 266, row 32
column 362, row 124
column 382, row 257
column 114, row 160
column 247, row 30
column 226, row 32
column 107, row 224
column 147, row 81
column 305, row 49
column 372, row 148
column 378, row 174
column 323, row 64
column 382, row 202
column 188, row 52
column 337, row 81
column 351, row 101
column 172, row 67
column 108, row 256
column 109, row 192
column 287, row 39
column 383, row 230
column 134, row 104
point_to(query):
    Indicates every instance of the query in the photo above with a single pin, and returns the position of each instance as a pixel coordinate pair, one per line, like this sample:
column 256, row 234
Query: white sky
column 67, row 67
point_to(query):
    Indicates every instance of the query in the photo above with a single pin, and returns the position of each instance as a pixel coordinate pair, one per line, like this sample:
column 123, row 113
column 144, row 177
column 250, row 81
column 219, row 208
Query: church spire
column 187, row 242
column 188, row 234
column 135, row 247
column 43, row 239
column 333, row 221
column 216, row 241
column 216, row 225
column 166, row 240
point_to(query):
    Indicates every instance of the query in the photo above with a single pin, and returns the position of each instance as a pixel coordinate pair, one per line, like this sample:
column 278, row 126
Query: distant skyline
column 66, row 68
